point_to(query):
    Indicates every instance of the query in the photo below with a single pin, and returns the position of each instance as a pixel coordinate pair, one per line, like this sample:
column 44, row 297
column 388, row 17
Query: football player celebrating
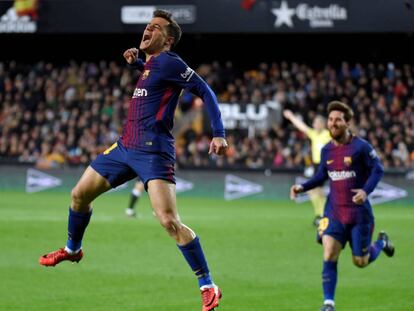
column 354, row 170
column 146, row 149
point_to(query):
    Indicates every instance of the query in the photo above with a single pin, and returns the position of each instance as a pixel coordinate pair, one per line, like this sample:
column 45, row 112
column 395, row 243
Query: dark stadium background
column 246, row 49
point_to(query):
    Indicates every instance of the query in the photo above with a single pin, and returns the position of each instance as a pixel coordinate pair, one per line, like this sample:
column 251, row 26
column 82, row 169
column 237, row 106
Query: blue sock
column 329, row 277
column 194, row 255
column 375, row 249
column 77, row 224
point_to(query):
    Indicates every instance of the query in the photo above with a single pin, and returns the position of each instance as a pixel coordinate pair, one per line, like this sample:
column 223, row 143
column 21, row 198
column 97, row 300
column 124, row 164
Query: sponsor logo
column 142, row 14
column 21, row 17
column 238, row 116
column 145, row 74
column 187, row 74
column 317, row 16
column 140, row 93
column 329, row 162
column 341, row 175
column 284, row 15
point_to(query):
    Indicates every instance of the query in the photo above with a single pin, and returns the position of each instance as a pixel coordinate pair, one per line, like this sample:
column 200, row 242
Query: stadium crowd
column 54, row 115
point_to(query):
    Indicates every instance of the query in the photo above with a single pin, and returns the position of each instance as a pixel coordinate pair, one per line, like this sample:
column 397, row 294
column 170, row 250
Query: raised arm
column 131, row 56
column 297, row 122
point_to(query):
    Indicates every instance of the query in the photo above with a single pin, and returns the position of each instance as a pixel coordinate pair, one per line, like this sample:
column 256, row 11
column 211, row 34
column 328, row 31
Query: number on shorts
column 323, row 224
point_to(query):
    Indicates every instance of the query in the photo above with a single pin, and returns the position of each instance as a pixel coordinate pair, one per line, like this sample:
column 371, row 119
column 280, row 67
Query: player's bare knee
column 360, row 265
column 78, row 199
column 168, row 222
column 76, row 195
column 360, row 262
column 330, row 256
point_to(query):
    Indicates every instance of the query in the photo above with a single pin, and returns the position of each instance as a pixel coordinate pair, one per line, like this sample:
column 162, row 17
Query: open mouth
column 146, row 38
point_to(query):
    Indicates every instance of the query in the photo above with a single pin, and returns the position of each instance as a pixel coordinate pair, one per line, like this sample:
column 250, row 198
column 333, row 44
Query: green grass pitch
column 262, row 254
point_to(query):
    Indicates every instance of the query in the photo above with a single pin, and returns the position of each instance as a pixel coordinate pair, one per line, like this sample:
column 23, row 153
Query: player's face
column 337, row 125
column 154, row 38
column 318, row 124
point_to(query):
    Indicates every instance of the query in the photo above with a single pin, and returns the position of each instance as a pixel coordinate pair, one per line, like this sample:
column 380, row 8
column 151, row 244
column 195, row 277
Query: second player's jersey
column 354, row 165
column 151, row 111
column 318, row 140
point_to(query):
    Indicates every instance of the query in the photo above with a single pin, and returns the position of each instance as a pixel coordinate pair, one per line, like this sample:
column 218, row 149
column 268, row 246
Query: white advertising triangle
column 386, row 192
column 303, row 197
column 117, row 188
column 183, row 185
column 38, row 181
column 236, row 187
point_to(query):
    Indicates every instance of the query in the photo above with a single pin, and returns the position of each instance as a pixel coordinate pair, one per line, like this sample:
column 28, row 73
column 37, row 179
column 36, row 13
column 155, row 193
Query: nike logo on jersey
column 329, row 162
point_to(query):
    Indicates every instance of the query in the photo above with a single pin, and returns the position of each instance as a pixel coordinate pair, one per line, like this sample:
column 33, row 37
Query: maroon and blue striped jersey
column 151, row 112
column 354, row 165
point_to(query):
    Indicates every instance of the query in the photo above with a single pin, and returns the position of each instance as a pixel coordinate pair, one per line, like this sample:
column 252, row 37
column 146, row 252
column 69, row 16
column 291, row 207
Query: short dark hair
column 340, row 106
column 173, row 29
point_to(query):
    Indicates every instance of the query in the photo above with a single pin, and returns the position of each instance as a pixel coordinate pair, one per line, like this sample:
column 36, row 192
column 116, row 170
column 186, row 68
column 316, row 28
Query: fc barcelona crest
column 145, row 74
column 348, row 161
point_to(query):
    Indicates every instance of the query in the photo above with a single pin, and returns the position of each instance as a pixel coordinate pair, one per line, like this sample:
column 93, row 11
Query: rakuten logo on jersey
column 341, row 175
column 140, row 93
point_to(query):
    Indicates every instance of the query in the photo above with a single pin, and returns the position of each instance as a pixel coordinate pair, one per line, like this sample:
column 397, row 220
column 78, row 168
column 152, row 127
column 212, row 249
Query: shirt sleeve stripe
column 188, row 79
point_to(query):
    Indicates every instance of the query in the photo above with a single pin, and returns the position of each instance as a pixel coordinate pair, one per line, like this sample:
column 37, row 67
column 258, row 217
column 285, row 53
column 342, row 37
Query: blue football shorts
column 118, row 165
column 358, row 235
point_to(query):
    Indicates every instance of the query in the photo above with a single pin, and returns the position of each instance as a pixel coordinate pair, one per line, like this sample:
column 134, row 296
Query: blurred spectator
column 51, row 157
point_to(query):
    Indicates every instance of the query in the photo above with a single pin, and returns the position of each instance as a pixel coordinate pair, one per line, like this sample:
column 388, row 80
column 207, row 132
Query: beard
column 336, row 132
